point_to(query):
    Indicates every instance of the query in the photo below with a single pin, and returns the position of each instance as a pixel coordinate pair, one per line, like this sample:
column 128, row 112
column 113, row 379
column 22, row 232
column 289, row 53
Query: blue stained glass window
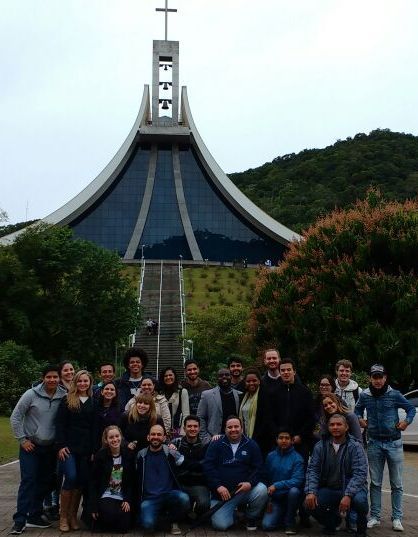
column 110, row 221
column 163, row 234
column 221, row 232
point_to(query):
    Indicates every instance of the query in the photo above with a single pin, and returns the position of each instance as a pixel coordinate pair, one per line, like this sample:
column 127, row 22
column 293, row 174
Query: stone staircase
column 164, row 349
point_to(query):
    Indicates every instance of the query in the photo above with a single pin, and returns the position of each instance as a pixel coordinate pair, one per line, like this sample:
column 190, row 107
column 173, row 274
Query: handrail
column 132, row 337
column 182, row 307
column 159, row 320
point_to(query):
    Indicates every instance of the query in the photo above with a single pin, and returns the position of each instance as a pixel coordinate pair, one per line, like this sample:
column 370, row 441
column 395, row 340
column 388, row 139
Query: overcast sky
column 264, row 79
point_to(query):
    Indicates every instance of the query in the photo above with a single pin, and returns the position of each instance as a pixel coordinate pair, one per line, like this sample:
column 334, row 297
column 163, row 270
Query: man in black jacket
column 159, row 488
column 190, row 472
column 291, row 406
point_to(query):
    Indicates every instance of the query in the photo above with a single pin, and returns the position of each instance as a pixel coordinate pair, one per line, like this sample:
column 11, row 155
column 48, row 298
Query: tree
column 349, row 290
column 80, row 305
column 217, row 333
column 18, row 370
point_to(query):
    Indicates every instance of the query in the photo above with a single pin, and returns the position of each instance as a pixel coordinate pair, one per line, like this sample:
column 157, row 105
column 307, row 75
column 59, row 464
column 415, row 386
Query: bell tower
column 165, row 78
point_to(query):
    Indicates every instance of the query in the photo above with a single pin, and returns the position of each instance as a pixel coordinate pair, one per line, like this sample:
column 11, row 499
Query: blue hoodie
column 284, row 469
column 223, row 468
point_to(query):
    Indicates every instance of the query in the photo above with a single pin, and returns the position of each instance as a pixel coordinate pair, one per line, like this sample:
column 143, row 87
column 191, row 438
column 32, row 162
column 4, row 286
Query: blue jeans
column 198, row 495
column 174, row 504
column 379, row 452
column 283, row 510
column 255, row 500
column 35, row 481
column 76, row 470
column 327, row 512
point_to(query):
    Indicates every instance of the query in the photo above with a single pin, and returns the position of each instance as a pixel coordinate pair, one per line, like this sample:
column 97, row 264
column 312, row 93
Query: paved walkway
column 9, row 480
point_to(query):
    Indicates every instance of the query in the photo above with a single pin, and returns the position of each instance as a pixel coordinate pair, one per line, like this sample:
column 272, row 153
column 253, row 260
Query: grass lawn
column 212, row 286
column 8, row 444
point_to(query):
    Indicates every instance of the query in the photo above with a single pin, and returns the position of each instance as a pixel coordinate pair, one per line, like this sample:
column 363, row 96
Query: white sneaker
column 397, row 525
column 373, row 522
column 175, row 530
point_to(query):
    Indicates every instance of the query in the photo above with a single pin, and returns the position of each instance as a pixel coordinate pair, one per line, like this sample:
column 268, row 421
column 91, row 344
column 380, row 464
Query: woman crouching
column 112, row 483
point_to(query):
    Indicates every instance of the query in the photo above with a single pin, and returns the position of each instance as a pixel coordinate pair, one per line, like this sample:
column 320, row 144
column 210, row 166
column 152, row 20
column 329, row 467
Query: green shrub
column 18, row 370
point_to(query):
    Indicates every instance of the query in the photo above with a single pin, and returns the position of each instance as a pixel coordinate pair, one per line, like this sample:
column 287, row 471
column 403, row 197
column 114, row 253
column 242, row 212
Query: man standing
column 193, row 384
column 190, row 473
column 216, row 405
column 107, row 374
column 285, row 474
column 346, row 388
column 271, row 377
column 236, row 368
column 292, row 408
column 32, row 422
column 384, row 428
column 336, row 479
column 135, row 361
column 159, row 489
column 232, row 466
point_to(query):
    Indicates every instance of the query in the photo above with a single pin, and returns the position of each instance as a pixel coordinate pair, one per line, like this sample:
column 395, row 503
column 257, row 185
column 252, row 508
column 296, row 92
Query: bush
column 18, row 370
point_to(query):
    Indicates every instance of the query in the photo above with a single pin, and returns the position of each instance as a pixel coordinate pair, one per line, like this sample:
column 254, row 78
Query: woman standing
column 66, row 373
column 177, row 398
column 332, row 404
column 137, row 423
column 107, row 411
column 75, row 441
column 250, row 408
column 112, row 483
column 161, row 404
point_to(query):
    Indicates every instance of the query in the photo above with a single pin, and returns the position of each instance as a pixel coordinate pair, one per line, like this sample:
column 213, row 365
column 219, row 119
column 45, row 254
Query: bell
column 165, row 105
column 165, row 86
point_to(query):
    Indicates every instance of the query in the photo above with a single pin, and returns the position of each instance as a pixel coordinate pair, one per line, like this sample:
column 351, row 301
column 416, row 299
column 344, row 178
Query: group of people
column 261, row 448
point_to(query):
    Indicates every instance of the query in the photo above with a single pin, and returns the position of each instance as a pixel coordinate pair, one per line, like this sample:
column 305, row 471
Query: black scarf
column 378, row 392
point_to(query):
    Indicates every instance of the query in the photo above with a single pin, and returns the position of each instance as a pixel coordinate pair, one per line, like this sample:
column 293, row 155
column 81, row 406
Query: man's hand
column 362, row 422
column 311, row 501
column 215, row 437
column 63, row 453
column 271, row 490
column 223, row 493
column 345, row 504
column 28, row 446
column 245, row 486
column 402, row 425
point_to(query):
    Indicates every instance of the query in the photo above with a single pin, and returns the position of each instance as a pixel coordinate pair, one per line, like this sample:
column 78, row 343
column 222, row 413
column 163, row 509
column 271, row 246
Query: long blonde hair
column 148, row 399
column 73, row 399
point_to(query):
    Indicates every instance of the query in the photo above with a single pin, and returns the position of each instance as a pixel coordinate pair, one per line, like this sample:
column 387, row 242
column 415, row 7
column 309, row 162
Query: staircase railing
column 159, row 320
column 132, row 337
column 182, row 308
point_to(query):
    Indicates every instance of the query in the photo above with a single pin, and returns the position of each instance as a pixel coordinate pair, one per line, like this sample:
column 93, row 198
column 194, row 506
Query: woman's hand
column 95, row 516
column 132, row 445
column 125, row 507
column 63, row 453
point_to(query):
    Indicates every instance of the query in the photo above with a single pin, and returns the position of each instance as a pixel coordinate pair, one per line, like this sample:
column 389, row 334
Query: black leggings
column 111, row 517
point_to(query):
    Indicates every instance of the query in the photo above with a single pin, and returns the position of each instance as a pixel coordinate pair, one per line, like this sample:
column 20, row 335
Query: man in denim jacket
column 384, row 441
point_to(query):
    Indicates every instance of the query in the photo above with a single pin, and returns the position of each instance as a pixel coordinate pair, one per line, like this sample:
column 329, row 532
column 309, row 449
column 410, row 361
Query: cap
column 377, row 369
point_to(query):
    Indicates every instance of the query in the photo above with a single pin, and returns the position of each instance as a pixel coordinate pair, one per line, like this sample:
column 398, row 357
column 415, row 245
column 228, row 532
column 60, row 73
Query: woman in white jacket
column 178, row 400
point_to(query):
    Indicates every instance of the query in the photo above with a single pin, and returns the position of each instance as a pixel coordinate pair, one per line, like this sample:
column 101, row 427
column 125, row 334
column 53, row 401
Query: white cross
column 166, row 10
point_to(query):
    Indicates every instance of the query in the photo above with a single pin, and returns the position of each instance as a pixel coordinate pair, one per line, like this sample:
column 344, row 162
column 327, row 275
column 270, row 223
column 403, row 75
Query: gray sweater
column 33, row 416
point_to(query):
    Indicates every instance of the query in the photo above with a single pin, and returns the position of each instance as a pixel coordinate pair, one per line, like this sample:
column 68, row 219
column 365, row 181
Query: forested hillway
column 296, row 189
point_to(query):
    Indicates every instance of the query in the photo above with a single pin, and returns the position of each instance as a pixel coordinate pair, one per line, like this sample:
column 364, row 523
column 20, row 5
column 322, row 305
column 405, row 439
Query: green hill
column 297, row 188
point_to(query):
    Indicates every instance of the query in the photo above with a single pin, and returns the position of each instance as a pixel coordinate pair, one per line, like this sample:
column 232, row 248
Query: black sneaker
column 18, row 528
column 38, row 522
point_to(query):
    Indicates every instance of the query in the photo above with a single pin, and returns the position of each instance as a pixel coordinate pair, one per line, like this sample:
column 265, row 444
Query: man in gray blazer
column 216, row 405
